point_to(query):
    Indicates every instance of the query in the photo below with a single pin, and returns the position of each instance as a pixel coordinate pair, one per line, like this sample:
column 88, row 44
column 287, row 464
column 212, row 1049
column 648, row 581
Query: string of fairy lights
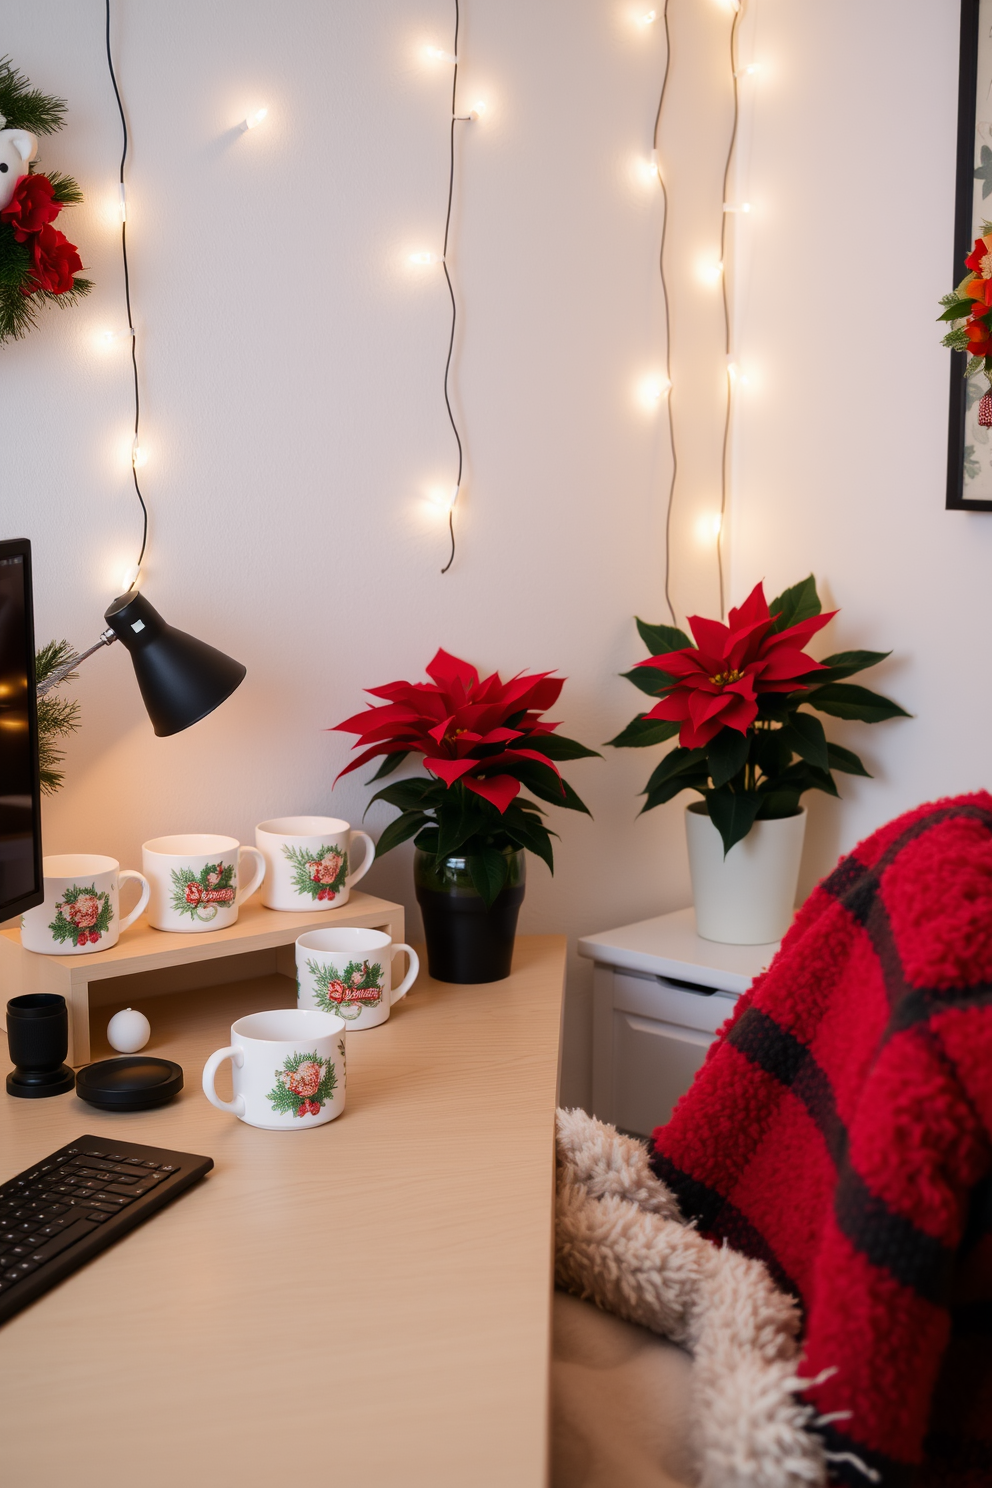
column 651, row 392
column 713, row 272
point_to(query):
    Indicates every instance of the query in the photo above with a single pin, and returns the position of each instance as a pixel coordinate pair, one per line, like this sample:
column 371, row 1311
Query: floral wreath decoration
column 37, row 261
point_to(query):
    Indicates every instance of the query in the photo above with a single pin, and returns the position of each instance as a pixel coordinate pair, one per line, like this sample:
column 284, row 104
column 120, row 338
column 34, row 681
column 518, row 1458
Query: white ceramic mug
column 349, row 972
column 308, row 861
column 81, row 912
column 287, row 1069
column 194, row 880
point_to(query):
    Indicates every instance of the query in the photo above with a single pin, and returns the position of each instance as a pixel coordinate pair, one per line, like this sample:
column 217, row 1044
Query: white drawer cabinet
column 659, row 996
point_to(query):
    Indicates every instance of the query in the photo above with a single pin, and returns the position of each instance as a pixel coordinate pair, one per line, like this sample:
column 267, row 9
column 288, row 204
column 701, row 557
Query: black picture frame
column 963, row 227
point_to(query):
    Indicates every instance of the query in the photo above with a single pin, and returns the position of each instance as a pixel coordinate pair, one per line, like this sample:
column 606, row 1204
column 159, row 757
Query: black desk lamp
column 181, row 679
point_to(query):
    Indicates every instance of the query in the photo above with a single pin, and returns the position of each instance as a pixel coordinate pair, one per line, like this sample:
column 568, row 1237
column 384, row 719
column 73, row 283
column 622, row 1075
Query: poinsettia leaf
column 488, row 870
column 726, row 754
column 958, row 310
column 390, row 763
column 669, row 789
column 842, row 700
column 466, row 814
column 407, row 794
column 649, row 680
column 776, row 804
column 532, row 835
column 803, row 777
column 642, row 732
column 427, row 839
column 804, row 735
column 557, row 747
column 839, row 758
column 542, row 782
column 399, row 830
column 770, row 751
column 800, row 602
column 732, row 813
column 662, row 638
column 846, row 663
column 678, row 762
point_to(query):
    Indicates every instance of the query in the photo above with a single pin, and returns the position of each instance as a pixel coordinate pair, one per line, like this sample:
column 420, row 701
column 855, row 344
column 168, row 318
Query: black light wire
column 127, row 297
column 726, row 306
column 455, row 119
column 668, row 325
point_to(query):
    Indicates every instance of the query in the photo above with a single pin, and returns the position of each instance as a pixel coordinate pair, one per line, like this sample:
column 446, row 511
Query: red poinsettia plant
column 969, row 309
column 737, row 699
column 481, row 741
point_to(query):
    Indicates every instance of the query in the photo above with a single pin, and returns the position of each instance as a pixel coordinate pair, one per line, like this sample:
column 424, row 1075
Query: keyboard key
column 149, row 1165
column 91, row 1153
column 121, row 1180
column 137, row 1161
column 58, row 1243
column 127, row 1193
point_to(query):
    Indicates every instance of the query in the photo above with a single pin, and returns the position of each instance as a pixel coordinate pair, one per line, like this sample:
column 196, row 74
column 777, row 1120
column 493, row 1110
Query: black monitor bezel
column 20, row 547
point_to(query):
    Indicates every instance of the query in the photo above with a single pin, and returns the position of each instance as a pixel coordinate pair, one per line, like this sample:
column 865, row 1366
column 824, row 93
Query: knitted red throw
column 841, row 1131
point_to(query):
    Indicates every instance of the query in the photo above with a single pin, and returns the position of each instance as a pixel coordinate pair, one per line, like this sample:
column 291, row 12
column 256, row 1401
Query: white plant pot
column 747, row 897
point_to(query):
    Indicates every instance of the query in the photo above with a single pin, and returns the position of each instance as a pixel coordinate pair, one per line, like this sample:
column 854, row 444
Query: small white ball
column 128, row 1031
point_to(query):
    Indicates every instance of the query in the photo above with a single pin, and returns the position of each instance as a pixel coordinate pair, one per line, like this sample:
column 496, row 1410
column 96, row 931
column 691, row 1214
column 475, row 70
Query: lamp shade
column 181, row 679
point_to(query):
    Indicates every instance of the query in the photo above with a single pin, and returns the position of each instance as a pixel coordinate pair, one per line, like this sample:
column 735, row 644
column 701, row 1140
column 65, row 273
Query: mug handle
column 129, row 919
column 245, row 894
column 413, row 971
column 236, row 1056
column 366, row 861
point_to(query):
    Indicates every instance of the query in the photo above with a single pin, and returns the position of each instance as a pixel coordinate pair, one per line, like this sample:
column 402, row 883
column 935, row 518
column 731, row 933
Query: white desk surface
column 669, row 946
column 365, row 1305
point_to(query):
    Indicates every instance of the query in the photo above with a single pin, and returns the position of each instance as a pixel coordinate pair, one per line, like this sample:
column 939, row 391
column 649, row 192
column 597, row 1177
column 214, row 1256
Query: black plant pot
column 466, row 942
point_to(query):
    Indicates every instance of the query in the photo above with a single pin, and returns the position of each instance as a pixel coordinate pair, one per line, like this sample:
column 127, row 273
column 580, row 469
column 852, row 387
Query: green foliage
column 761, row 774
column 303, row 881
column 65, row 189
column 357, row 977
column 57, row 717
column 222, row 875
column 25, row 107
column 64, row 928
column 660, row 639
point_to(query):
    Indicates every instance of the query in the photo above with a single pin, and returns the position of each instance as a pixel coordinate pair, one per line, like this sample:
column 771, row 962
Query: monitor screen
column 21, row 884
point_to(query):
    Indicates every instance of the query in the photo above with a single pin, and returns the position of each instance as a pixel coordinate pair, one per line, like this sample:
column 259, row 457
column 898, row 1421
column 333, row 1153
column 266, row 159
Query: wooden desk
column 362, row 1305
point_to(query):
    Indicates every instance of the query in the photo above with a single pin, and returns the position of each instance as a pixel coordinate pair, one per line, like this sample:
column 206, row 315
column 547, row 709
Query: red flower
column 461, row 725
column 717, row 682
column 54, row 260
column 31, row 207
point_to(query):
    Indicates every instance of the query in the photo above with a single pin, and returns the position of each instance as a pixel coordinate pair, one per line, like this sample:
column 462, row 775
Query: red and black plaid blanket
column 841, row 1131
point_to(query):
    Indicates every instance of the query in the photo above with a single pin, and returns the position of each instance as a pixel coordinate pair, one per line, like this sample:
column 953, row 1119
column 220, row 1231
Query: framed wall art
column 969, row 445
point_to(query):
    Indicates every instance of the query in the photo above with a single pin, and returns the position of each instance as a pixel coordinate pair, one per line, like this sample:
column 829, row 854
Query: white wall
column 292, row 360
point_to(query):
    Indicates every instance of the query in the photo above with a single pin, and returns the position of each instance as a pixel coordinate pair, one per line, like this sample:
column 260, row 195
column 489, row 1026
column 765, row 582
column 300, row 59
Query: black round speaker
column 134, row 1082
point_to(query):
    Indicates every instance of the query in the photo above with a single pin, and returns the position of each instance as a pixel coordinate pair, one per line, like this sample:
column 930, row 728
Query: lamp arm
column 60, row 673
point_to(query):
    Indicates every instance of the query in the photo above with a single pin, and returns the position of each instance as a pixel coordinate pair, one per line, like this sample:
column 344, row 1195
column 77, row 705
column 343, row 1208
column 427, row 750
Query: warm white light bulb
column 478, row 109
column 452, row 498
column 129, row 578
column 138, row 456
column 708, row 527
column 424, row 258
column 253, row 120
column 651, row 390
column 123, row 199
column 709, row 271
column 438, row 55
column 648, row 18
column 735, row 207
column 749, row 70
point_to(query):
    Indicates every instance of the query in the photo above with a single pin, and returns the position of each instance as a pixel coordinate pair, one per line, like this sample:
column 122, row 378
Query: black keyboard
column 59, row 1213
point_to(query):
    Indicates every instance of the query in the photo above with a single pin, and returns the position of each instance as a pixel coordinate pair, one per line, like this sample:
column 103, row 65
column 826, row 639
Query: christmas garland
column 37, row 261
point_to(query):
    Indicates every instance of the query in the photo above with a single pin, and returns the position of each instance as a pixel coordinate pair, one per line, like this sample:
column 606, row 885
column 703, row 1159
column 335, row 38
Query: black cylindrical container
column 38, row 1040
column 466, row 942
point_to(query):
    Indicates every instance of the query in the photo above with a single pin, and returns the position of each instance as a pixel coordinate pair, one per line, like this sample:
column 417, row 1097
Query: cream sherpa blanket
column 621, row 1243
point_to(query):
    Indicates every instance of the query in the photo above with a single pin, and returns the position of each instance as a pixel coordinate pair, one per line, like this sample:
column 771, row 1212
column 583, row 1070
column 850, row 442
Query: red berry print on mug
column 303, row 1084
column 200, row 894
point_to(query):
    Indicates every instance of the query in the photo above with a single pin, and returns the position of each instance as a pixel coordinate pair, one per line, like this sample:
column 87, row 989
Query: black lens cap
column 134, row 1082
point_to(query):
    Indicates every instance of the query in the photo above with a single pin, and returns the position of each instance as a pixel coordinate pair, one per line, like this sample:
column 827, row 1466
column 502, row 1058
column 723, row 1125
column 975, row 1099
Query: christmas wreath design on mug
column 303, row 1084
column 350, row 992
column 82, row 916
column 200, row 895
column 321, row 874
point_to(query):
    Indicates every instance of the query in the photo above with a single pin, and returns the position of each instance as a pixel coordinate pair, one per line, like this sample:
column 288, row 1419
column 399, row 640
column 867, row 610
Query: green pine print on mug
column 347, row 993
column 82, row 916
column 320, row 874
column 303, row 1084
column 200, row 895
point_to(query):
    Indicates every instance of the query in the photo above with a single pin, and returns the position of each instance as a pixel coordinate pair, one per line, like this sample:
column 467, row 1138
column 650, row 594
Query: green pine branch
column 57, row 717
column 25, row 107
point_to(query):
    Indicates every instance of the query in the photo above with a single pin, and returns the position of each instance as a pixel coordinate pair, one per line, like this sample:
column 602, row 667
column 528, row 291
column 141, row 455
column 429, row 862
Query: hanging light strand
column 668, row 319
column 135, row 445
column 728, row 414
column 455, row 119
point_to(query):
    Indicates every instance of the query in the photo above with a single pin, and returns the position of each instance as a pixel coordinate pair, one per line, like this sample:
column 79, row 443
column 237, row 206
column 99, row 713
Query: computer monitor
column 21, row 880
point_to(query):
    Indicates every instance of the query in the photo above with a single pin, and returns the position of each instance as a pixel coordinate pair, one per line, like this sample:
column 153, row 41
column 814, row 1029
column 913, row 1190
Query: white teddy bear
column 17, row 149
